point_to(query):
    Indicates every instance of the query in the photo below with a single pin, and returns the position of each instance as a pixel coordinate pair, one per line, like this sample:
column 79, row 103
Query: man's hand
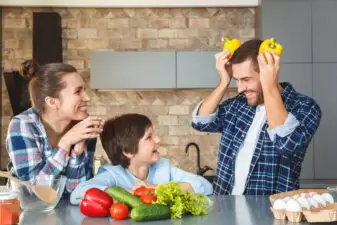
column 269, row 64
column 221, row 60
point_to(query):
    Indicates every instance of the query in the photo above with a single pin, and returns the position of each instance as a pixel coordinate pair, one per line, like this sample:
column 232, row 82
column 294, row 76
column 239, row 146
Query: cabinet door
column 131, row 70
column 325, row 143
column 324, row 14
column 300, row 76
column 289, row 21
column 197, row 70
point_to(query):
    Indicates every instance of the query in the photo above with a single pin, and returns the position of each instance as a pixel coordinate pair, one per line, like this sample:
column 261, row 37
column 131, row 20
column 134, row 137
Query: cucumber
column 150, row 212
column 124, row 196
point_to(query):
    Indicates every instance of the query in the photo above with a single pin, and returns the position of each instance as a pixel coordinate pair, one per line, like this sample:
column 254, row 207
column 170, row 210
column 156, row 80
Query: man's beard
column 257, row 100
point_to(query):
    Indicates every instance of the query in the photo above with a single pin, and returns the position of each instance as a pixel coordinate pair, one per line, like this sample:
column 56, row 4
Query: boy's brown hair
column 122, row 135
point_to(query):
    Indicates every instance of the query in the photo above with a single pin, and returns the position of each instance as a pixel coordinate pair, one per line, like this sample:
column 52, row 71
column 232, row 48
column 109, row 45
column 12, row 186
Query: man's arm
column 269, row 77
column 211, row 102
column 308, row 115
column 290, row 131
column 205, row 117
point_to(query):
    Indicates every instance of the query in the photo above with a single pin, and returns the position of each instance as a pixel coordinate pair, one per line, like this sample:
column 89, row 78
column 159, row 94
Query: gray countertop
column 231, row 210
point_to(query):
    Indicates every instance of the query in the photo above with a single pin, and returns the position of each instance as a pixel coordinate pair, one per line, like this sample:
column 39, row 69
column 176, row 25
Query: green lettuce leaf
column 180, row 201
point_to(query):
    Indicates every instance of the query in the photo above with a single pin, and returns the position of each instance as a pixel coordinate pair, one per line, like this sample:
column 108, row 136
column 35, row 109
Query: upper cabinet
column 324, row 20
column 289, row 21
column 197, row 70
column 153, row 70
column 132, row 70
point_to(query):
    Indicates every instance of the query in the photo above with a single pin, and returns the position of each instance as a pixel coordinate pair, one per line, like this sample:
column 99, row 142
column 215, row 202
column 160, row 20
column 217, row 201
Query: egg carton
column 274, row 197
column 321, row 215
column 324, row 213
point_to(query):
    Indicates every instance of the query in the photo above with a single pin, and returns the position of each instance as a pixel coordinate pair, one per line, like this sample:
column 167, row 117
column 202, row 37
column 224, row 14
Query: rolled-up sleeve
column 203, row 119
column 308, row 117
column 287, row 128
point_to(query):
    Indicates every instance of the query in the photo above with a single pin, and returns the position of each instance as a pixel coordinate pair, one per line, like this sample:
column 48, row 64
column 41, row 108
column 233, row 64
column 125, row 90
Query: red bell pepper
column 96, row 203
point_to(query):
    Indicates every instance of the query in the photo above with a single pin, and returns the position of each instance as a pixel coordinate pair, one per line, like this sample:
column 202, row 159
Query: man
column 265, row 129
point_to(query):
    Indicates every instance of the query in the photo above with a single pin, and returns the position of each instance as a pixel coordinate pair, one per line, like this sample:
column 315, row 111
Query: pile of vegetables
column 164, row 202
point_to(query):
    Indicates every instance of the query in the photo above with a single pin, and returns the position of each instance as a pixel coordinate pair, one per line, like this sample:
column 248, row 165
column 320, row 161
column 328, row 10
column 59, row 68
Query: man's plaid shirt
column 277, row 159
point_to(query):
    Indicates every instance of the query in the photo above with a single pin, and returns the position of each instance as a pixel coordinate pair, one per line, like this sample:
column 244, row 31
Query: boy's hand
column 143, row 184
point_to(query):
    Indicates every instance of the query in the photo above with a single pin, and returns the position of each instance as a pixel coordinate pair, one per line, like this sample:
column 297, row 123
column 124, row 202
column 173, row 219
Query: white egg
column 304, row 202
column 279, row 204
column 293, row 206
column 312, row 194
column 319, row 199
column 286, row 199
column 313, row 202
column 328, row 198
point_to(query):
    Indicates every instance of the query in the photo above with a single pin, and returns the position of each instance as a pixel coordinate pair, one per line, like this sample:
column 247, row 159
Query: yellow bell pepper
column 231, row 45
column 271, row 45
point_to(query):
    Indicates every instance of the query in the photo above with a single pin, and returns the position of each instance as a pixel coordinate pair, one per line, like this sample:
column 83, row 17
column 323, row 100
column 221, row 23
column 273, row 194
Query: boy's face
column 147, row 148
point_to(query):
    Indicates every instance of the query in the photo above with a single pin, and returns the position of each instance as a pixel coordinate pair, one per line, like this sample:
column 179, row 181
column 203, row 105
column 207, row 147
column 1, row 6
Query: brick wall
column 135, row 30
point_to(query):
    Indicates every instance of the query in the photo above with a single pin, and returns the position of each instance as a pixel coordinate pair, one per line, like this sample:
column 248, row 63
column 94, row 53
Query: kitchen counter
column 231, row 210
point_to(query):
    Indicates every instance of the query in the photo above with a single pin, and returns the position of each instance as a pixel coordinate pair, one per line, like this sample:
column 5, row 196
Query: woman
column 131, row 144
column 55, row 136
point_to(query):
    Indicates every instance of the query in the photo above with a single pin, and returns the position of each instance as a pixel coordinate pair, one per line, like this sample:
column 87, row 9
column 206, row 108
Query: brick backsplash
column 129, row 29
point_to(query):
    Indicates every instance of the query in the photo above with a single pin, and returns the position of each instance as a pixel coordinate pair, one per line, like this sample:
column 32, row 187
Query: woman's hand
column 91, row 127
column 79, row 148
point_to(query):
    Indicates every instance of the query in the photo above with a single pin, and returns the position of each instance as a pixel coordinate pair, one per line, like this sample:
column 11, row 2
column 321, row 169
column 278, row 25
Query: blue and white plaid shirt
column 31, row 154
column 278, row 156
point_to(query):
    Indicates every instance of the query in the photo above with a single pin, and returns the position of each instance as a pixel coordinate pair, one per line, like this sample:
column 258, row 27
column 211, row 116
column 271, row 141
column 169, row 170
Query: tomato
column 148, row 199
column 152, row 191
column 119, row 211
column 144, row 191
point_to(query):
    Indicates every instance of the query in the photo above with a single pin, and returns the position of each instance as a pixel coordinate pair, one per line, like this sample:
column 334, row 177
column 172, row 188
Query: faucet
column 203, row 170
column 200, row 171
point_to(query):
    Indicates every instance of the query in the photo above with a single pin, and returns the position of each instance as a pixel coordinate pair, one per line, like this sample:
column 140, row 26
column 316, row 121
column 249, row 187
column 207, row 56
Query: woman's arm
column 81, row 167
column 25, row 152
